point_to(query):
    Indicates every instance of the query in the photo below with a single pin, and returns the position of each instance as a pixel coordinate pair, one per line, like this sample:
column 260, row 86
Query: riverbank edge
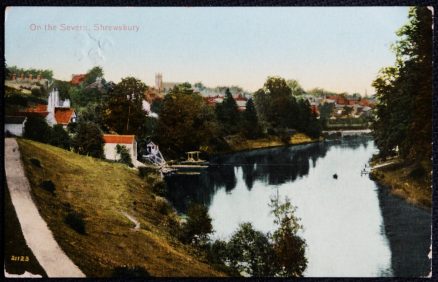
column 394, row 178
column 266, row 143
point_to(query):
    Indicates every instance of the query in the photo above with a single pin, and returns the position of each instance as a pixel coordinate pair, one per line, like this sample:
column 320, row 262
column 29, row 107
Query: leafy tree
column 59, row 137
column 92, row 74
column 123, row 113
column 198, row 227
column 36, row 128
column 288, row 246
column 89, row 140
column 227, row 114
column 275, row 103
column 295, row 87
column 63, row 88
column 125, row 157
column 251, row 252
column 404, row 93
column 185, row 123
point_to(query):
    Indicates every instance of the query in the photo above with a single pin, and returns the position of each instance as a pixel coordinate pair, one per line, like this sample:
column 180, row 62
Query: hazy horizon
column 340, row 49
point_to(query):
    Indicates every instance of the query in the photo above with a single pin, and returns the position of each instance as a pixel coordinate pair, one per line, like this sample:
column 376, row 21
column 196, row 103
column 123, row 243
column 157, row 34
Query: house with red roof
column 77, row 79
column 112, row 140
column 55, row 112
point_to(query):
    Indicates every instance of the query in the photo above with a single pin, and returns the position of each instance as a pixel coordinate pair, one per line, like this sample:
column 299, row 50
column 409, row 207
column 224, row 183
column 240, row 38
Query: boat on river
column 192, row 163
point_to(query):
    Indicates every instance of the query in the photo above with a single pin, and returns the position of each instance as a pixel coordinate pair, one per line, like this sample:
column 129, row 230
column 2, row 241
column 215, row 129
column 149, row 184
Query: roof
column 77, row 79
column 64, row 115
column 37, row 109
column 14, row 120
column 118, row 139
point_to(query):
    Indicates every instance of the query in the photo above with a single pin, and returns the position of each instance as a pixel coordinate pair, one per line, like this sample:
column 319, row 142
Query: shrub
column 48, row 185
column 130, row 271
column 125, row 157
column 60, row 137
column 35, row 162
column 198, row 227
column 36, row 128
column 160, row 188
column 76, row 221
column 89, row 140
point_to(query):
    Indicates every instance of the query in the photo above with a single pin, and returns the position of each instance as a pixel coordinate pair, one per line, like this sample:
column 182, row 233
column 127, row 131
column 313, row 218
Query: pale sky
column 336, row 48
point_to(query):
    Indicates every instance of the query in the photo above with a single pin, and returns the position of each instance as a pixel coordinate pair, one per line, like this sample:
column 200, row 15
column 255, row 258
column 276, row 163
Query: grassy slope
column 397, row 178
column 100, row 190
column 238, row 143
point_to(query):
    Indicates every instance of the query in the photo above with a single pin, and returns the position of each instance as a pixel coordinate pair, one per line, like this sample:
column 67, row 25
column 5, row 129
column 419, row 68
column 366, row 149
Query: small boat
column 192, row 164
column 194, row 159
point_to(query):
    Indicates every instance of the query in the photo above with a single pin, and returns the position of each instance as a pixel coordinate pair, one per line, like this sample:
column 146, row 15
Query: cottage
column 112, row 140
column 56, row 111
column 15, row 125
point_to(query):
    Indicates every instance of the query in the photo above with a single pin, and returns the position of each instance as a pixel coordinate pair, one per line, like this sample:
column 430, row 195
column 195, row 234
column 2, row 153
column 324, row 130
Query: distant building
column 112, row 140
column 77, row 79
column 15, row 125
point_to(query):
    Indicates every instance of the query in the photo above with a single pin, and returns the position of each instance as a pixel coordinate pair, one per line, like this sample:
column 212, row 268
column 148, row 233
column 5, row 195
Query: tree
column 404, row 93
column 125, row 157
column 185, row 123
column 250, row 251
column 123, row 113
column 227, row 114
column 276, row 105
column 59, row 137
column 251, row 127
column 198, row 227
column 89, row 140
column 288, row 246
column 63, row 88
column 36, row 128
column 295, row 87
column 92, row 74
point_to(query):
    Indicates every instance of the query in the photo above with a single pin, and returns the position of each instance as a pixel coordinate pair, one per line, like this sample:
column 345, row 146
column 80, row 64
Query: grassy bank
column 238, row 143
column 100, row 192
column 405, row 181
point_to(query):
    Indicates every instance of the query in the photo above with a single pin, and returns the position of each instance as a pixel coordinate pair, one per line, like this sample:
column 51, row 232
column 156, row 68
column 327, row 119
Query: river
column 352, row 228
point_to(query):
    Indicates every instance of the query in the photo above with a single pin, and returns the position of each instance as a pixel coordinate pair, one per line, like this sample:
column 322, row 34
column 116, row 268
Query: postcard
column 218, row 142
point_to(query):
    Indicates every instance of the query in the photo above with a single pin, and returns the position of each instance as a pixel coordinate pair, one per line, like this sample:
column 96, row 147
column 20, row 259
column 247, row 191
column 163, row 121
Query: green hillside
column 101, row 191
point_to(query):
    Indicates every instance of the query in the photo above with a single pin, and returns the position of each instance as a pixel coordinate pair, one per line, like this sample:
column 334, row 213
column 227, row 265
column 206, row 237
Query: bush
column 198, row 227
column 59, row 137
column 89, row 140
column 49, row 186
column 125, row 157
column 35, row 162
column 160, row 188
column 36, row 128
column 76, row 221
column 130, row 271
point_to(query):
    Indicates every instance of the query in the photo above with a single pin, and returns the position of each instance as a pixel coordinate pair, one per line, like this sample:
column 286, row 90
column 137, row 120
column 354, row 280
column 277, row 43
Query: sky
column 339, row 49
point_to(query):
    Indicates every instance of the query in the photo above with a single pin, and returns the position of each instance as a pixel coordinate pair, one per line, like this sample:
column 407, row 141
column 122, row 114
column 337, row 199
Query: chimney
column 14, row 76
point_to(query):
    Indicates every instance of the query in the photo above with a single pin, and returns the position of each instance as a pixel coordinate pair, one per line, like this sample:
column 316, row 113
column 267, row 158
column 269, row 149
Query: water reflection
column 342, row 218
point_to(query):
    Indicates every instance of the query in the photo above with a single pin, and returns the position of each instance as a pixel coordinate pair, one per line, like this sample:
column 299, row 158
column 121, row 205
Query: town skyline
column 339, row 49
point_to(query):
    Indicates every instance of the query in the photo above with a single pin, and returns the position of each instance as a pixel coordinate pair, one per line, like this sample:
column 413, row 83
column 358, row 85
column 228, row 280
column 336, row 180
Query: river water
column 352, row 228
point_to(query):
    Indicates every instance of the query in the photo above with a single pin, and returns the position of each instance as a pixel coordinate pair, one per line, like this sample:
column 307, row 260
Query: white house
column 59, row 111
column 112, row 140
column 15, row 125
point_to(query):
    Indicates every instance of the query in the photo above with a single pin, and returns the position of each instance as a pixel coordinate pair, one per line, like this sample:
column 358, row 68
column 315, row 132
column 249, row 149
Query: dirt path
column 133, row 220
column 35, row 230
